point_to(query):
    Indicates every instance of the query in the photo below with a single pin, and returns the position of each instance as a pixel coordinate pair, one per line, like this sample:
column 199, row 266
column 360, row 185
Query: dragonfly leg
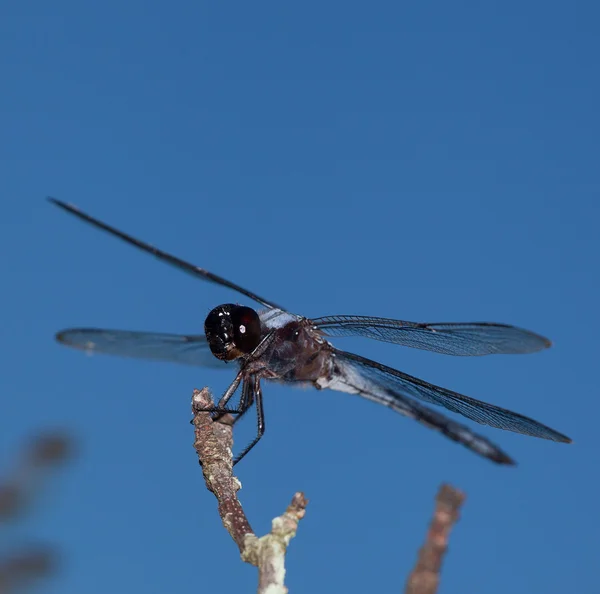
column 246, row 401
column 221, row 408
column 256, row 395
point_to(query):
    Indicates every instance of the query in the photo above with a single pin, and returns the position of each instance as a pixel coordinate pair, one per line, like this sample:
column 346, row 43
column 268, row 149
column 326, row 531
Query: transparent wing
column 192, row 269
column 466, row 339
column 349, row 377
column 189, row 349
column 396, row 390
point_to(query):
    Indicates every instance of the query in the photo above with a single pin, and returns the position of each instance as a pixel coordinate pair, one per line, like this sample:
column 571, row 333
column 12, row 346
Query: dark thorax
column 297, row 353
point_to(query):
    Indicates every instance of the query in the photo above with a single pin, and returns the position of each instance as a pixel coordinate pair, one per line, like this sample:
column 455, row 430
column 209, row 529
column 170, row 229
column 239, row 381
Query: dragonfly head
column 232, row 331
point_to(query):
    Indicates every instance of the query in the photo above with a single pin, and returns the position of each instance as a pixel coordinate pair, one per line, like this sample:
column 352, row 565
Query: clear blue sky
column 432, row 161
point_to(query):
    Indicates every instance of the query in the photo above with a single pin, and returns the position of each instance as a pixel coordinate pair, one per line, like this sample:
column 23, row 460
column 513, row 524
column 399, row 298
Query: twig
column 213, row 443
column 425, row 577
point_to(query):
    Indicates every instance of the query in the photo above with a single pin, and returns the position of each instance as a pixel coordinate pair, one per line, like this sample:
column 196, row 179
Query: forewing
column 464, row 339
column 191, row 349
column 192, row 269
column 390, row 385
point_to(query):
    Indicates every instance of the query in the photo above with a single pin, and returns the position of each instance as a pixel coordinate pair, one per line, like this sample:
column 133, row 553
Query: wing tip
column 554, row 435
column 61, row 204
column 62, row 337
column 56, row 201
column 537, row 343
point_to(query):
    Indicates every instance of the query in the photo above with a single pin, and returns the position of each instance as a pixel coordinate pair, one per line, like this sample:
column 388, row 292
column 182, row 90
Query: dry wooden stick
column 425, row 577
column 213, row 444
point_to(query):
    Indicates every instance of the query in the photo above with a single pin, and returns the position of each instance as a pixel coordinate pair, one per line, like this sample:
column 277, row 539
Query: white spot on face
column 242, row 329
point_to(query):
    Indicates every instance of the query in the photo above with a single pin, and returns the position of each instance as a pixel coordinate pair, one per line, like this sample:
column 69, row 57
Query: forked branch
column 213, row 444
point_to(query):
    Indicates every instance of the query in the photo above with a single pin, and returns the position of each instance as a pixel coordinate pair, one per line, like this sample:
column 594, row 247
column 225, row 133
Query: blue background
column 427, row 161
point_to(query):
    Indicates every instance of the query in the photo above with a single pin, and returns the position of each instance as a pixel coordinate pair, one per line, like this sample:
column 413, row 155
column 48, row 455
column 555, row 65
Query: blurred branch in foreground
column 213, row 443
column 18, row 492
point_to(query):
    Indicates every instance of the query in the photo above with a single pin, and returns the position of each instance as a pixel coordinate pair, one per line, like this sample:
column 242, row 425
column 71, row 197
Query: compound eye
column 246, row 328
column 219, row 332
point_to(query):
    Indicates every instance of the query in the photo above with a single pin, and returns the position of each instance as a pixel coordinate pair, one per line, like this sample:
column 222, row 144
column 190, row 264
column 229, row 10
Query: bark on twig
column 213, row 443
column 425, row 577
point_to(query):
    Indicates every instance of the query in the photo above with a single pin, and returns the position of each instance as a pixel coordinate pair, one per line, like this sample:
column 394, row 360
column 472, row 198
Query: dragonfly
column 273, row 344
